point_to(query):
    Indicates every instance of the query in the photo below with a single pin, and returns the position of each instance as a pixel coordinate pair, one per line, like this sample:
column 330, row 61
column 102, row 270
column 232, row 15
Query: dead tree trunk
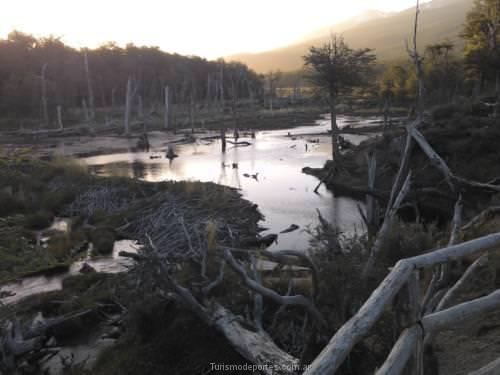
column 89, row 87
column 167, row 109
column 128, row 101
column 191, row 112
column 85, row 110
column 59, row 118
column 334, row 127
column 223, row 140
column 45, row 109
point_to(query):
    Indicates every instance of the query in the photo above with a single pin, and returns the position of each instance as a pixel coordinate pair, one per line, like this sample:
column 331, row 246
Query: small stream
column 283, row 193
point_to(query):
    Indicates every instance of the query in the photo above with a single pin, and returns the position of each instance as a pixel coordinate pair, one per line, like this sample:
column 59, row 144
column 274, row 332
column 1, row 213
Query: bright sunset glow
column 207, row 28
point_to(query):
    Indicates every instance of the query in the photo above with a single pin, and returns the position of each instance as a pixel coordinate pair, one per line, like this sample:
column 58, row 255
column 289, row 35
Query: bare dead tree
column 418, row 63
column 128, row 105
column 45, row 109
column 59, row 118
column 89, row 87
column 166, row 113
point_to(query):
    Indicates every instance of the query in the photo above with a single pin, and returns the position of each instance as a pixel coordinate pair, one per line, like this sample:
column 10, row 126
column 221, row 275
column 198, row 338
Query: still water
column 284, row 194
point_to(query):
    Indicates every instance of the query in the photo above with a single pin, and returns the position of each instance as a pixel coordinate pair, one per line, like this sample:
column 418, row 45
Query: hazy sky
column 209, row 28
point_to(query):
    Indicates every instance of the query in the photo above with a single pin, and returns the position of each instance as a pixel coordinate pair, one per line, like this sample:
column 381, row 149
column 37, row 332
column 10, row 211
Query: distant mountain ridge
column 384, row 32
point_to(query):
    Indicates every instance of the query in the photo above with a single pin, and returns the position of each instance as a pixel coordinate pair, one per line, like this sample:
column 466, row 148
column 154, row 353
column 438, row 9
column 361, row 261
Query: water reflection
column 284, row 194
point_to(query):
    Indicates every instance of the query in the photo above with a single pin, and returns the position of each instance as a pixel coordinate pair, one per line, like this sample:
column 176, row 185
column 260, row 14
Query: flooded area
column 32, row 285
column 268, row 173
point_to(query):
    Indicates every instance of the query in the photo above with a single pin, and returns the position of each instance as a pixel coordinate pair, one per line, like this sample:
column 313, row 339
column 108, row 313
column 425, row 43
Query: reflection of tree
column 138, row 169
column 236, row 178
column 236, row 172
column 222, row 174
column 154, row 171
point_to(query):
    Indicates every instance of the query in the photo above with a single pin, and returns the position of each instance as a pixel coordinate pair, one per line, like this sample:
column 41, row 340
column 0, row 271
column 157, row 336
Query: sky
column 208, row 28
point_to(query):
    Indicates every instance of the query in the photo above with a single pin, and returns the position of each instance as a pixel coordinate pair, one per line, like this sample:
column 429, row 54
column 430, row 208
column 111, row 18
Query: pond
column 268, row 173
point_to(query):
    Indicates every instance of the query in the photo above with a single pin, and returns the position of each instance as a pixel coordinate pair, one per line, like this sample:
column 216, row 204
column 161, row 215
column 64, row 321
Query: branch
column 297, row 300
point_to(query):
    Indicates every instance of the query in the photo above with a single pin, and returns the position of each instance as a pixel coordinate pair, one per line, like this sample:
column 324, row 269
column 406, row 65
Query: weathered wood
column 356, row 328
column 440, row 276
column 255, row 346
column 296, row 300
column 492, row 368
column 466, row 279
column 466, row 311
column 433, row 156
column 401, row 352
column 403, row 166
column 455, row 252
column 386, row 227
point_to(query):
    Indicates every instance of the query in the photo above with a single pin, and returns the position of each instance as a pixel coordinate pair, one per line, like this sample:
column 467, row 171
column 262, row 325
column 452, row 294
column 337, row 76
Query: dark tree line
column 33, row 68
